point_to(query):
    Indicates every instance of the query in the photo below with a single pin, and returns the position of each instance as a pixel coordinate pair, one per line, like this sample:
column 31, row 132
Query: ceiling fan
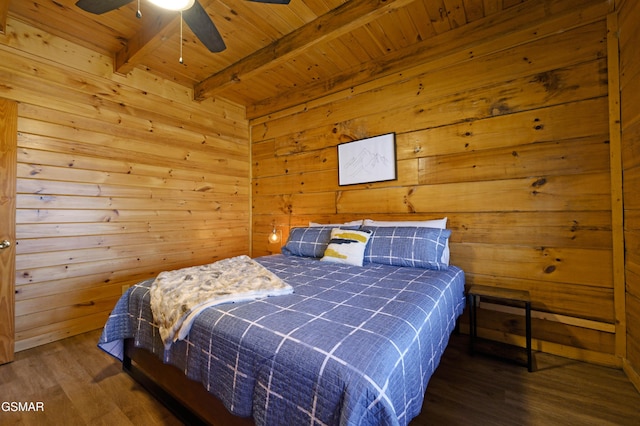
column 192, row 12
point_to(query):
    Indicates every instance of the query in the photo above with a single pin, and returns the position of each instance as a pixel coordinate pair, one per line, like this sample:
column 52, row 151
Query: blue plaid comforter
column 351, row 346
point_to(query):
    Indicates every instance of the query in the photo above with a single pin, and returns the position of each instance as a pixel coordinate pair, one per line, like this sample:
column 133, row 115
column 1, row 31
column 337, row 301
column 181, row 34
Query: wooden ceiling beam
column 349, row 16
column 157, row 26
column 472, row 40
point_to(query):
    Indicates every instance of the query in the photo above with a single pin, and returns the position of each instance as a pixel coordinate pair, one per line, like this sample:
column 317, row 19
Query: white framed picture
column 367, row 160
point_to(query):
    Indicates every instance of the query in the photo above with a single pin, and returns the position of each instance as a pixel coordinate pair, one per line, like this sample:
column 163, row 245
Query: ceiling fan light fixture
column 177, row 5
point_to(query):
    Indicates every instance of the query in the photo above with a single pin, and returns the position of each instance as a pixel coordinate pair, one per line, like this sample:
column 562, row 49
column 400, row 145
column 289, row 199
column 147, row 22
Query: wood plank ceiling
column 276, row 56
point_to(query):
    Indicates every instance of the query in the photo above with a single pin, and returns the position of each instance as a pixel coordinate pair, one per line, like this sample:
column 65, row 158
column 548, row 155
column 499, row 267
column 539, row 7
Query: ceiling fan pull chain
column 191, row 11
column 180, row 37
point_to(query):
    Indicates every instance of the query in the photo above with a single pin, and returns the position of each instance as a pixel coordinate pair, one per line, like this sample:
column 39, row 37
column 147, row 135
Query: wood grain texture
column 502, row 116
column 469, row 41
column 617, row 187
column 629, row 39
column 507, row 134
column 273, row 51
column 79, row 384
column 117, row 179
column 8, row 147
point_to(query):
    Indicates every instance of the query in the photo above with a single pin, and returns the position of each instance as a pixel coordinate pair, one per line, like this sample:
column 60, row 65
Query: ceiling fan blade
column 200, row 23
column 272, row 1
column 99, row 7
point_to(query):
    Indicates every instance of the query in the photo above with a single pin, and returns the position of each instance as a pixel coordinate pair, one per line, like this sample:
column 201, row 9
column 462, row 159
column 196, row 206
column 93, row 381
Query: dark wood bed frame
column 185, row 398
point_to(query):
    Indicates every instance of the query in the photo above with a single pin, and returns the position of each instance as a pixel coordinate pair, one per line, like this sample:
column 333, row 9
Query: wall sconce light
column 275, row 236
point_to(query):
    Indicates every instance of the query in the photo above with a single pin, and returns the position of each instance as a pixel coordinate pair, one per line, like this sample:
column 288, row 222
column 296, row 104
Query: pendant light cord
column 181, row 61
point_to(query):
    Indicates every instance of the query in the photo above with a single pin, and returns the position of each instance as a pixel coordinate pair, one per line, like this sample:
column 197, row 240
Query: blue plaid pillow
column 417, row 247
column 309, row 242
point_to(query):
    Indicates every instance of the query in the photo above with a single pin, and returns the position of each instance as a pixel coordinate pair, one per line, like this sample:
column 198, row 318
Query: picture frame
column 367, row 160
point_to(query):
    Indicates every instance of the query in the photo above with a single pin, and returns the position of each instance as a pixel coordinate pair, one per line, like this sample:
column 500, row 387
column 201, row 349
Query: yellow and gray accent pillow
column 346, row 246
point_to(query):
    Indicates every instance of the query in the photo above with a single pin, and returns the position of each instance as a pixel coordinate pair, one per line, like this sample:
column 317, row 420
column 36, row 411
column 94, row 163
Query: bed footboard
column 193, row 405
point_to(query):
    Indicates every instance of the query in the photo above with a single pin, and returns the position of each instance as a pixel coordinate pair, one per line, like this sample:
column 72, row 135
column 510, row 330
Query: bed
column 356, row 342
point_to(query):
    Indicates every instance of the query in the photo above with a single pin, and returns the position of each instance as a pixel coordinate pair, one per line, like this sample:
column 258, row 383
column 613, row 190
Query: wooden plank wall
column 507, row 136
column 630, row 105
column 118, row 179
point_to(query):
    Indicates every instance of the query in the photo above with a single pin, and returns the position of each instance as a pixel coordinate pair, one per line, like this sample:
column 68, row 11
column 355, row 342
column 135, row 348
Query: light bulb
column 274, row 237
column 176, row 5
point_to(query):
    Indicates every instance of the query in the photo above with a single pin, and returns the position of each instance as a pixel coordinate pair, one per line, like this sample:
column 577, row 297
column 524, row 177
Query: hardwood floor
column 81, row 385
column 482, row 390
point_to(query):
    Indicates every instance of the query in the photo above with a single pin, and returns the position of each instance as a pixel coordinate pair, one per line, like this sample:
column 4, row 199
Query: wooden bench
column 477, row 292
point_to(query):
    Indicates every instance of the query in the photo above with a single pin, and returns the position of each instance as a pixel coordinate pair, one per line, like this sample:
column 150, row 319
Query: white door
column 8, row 162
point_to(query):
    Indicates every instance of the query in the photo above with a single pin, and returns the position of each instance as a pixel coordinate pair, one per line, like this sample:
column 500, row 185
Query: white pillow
column 352, row 223
column 346, row 246
column 435, row 223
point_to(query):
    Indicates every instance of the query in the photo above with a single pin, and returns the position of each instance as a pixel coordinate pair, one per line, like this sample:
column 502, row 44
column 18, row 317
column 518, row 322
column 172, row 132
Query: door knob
column 5, row 244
